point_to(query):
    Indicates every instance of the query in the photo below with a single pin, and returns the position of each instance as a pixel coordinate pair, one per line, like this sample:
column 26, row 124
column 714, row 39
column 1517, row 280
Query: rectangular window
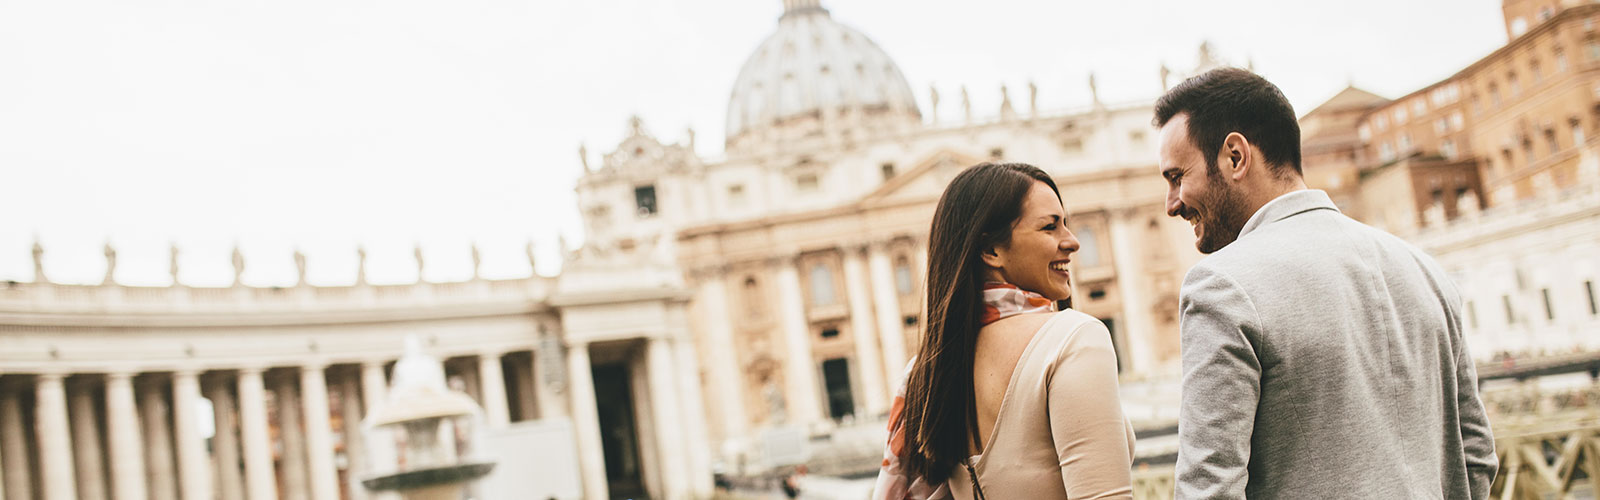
column 1494, row 95
column 1457, row 121
column 888, row 171
column 902, row 277
column 821, row 285
column 1594, row 305
column 1511, row 81
column 1511, row 314
column 1533, row 69
column 1561, row 60
column 1405, row 144
column 1591, row 49
column 1441, row 126
column 1385, row 152
column 645, row 198
column 1365, row 132
column 1577, row 133
column 1448, row 149
column 1418, row 107
column 806, row 183
column 1400, row 116
column 1549, row 311
column 1550, row 137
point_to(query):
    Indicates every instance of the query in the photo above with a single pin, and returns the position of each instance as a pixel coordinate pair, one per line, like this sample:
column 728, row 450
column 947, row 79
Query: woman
column 1008, row 398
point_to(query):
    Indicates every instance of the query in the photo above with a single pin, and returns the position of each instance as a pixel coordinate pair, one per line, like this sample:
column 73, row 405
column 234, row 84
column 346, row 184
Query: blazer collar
column 1288, row 205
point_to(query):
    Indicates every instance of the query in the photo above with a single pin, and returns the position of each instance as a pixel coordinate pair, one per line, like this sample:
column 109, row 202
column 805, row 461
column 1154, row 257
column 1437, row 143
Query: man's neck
column 1272, row 190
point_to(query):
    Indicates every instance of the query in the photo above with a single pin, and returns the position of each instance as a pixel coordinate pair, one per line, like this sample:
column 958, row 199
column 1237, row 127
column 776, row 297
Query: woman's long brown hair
column 975, row 213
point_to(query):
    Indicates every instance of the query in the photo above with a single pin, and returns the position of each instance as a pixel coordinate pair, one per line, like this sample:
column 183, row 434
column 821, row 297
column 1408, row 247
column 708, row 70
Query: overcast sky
column 324, row 124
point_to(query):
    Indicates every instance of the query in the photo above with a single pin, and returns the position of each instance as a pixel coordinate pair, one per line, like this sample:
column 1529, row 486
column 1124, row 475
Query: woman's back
column 1049, row 411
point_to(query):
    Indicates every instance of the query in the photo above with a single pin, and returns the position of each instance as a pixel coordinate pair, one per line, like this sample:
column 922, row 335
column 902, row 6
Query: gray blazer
column 1323, row 358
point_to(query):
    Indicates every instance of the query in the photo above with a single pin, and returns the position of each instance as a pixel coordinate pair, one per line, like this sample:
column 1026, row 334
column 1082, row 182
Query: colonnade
column 279, row 431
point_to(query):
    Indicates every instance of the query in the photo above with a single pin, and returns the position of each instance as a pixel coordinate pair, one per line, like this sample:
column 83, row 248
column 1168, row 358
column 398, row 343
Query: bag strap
column 977, row 490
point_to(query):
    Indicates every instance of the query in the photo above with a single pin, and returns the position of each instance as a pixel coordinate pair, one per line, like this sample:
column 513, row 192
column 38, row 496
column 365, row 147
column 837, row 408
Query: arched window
column 1088, row 248
column 821, row 285
column 754, row 307
column 902, row 275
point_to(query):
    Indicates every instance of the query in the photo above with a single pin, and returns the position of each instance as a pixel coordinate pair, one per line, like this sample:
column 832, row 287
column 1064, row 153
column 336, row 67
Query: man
column 1322, row 358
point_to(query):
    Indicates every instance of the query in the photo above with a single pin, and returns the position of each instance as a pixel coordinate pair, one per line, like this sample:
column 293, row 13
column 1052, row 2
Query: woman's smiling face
column 1036, row 257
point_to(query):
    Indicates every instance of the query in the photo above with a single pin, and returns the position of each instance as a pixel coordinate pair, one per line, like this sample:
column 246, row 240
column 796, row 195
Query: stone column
column 586, row 422
column 1129, row 266
column 14, row 448
column 355, row 443
column 804, row 405
column 865, row 335
column 697, row 443
column 919, row 264
column 374, row 385
column 86, row 451
column 225, row 444
column 124, row 440
column 548, row 373
column 319, row 434
column 55, row 439
column 293, row 463
column 652, row 460
column 374, row 391
column 664, row 400
column 492, row 384
column 260, row 480
column 726, row 377
column 163, row 483
column 891, row 331
column 194, row 468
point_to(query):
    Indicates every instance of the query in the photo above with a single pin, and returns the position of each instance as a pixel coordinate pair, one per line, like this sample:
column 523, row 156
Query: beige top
column 1060, row 432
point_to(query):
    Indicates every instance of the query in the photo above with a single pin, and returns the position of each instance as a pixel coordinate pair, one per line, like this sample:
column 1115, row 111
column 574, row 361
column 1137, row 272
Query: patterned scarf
column 1003, row 300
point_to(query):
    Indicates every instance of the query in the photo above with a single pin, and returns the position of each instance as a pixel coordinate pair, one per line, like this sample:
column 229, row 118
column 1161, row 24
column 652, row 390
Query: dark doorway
column 618, row 438
column 836, row 379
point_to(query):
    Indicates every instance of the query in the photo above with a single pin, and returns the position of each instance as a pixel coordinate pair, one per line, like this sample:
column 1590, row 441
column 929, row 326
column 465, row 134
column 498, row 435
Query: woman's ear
column 994, row 257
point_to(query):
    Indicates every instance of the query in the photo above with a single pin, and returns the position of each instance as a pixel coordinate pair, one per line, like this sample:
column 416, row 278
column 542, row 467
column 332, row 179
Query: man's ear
column 1235, row 156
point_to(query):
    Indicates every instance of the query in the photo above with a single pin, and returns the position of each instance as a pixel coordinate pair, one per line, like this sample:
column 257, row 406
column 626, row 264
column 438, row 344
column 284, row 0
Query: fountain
column 423, row 435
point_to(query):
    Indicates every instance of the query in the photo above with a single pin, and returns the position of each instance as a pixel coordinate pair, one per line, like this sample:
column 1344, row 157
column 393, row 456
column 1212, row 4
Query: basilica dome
column 812, row 69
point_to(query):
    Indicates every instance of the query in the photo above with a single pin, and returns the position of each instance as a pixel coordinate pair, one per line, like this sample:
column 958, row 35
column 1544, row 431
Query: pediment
column 925, row 181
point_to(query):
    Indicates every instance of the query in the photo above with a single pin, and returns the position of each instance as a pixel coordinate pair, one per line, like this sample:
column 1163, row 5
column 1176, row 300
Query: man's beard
column 1225, row 217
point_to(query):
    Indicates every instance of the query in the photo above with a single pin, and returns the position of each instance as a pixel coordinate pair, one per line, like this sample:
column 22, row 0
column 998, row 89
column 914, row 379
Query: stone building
column 737, row 313
column 1524, row 111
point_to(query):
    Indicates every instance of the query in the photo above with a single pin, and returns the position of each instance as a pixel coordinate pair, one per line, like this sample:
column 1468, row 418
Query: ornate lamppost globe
column 424, row 437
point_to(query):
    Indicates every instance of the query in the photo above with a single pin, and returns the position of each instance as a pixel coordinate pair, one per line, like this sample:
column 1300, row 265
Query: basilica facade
column 804, row 248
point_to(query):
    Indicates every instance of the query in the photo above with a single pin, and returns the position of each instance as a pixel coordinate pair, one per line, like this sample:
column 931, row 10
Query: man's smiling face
column 1198, row 193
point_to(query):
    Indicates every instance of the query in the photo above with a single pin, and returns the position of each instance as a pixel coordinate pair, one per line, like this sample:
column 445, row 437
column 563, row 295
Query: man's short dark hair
column 1226, row 100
